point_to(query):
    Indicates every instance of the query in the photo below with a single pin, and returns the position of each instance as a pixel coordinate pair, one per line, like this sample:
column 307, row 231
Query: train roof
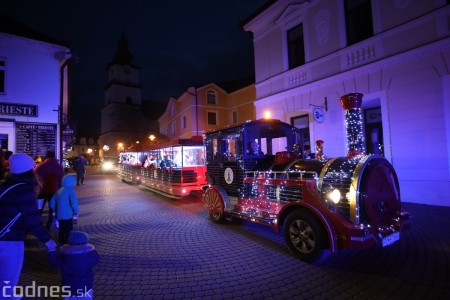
column 193, row 141
column 249, row 123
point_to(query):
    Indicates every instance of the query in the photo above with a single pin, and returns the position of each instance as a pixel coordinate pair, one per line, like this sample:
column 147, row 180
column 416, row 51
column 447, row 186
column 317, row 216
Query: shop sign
column 18, row 109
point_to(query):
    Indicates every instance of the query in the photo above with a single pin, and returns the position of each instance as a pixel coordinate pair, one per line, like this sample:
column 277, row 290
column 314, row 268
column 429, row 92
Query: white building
column 396, row 53
column 33, row 90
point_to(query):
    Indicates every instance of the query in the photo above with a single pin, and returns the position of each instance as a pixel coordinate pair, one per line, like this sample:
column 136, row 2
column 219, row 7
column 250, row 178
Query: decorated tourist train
column 257, row 172
column 175, row 170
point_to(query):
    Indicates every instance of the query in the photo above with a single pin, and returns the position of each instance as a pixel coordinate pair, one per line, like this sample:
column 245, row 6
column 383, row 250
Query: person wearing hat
column 79, row 167
column 19, row 215
column 64, row 203
column 75, row 260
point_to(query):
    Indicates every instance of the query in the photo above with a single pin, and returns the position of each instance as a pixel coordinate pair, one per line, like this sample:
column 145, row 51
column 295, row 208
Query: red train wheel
column 214, row 204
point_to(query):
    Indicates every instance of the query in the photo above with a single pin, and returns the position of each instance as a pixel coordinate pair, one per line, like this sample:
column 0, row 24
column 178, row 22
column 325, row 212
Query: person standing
column 19, row 216
column 51, row 173
column 64, row 203
column 80, row 168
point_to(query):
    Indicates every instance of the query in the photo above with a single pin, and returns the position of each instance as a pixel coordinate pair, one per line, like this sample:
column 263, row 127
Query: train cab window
column 229, row 147
column 270, row 140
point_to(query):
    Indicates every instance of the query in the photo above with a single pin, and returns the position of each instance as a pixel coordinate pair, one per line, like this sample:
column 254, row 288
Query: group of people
column 20, row 216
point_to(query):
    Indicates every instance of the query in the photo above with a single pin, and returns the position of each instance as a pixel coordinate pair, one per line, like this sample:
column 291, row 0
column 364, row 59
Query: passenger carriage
column 175, row 170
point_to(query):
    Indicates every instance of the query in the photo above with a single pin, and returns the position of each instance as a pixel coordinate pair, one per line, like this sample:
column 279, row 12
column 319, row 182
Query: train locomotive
column 321, row 205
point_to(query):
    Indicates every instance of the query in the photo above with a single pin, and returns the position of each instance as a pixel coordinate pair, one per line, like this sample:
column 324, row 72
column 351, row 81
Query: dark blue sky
column 176, row 44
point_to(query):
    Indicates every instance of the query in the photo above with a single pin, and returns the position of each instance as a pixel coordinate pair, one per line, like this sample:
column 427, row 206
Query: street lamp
column 119, row 147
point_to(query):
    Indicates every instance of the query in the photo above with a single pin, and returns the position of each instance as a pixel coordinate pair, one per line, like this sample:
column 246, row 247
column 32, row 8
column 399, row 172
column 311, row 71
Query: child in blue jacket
column 64, row 203
column 75, row 261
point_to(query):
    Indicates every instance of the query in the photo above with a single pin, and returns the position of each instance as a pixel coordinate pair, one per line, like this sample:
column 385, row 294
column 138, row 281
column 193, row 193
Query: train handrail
column 280, row 174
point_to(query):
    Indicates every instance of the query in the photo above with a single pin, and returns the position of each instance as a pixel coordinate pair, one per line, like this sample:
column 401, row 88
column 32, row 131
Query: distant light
column 152, row 137
column 267, row 115
column 106, row 147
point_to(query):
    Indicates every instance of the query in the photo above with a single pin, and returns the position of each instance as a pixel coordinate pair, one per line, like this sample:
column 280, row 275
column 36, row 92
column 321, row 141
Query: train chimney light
column 335, row 196
column 267, row 115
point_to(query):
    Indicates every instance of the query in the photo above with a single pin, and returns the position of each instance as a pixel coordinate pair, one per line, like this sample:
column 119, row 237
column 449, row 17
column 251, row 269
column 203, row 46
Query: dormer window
column 211, row 97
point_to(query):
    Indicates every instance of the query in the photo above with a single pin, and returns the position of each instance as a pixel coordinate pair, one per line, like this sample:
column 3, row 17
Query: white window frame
column 213, row 93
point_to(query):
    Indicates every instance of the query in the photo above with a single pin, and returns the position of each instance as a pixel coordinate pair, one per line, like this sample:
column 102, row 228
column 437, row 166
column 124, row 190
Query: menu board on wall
column 35, row 139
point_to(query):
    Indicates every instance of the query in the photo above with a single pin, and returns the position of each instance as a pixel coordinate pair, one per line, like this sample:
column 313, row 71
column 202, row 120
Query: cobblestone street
column 153, row 247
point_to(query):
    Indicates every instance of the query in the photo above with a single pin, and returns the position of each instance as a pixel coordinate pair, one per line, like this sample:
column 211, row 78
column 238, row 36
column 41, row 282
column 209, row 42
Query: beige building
column 208, row 107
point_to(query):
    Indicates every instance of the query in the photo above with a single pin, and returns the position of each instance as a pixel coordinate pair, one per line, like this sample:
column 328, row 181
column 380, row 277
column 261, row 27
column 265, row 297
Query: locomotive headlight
column 335, row 196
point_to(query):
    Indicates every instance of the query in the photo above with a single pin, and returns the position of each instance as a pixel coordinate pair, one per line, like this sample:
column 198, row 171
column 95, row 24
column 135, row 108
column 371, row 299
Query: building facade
column 396, row 53
column 206, row 108
column 33, row 91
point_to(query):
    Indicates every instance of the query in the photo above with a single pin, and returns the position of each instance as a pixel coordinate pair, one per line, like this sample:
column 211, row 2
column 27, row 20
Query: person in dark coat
column 79, row 166
column 19, row 216
column 50, row 172
column 75, row 260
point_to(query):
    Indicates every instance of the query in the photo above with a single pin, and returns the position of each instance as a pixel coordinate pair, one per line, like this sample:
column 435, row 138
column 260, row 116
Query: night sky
column 177, row 44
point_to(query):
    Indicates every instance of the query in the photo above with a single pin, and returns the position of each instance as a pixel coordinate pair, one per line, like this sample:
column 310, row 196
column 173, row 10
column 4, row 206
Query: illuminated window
column 173, row 128
column 212, row 118
column 296, row 46
column 2, row 76
column 211, row 97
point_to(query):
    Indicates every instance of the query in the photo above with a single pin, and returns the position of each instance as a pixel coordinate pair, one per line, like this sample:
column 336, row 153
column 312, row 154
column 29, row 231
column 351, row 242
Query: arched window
column 211, row 97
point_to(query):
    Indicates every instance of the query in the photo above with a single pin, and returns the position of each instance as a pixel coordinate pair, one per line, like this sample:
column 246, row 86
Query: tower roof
column 123, row 55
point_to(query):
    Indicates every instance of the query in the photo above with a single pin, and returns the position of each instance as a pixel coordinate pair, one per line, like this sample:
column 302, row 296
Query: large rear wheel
column 305, row 236
column 213, row 200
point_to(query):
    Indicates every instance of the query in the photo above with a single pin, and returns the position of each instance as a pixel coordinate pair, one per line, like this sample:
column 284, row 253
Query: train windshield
column 269, row 139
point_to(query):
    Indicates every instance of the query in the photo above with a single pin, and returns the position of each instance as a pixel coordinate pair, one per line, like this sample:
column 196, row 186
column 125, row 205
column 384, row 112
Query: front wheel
column 305, row 236
column 214, row 203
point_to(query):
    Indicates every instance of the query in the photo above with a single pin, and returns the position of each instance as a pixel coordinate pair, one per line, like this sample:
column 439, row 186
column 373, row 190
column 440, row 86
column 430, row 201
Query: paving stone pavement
column 153, row 247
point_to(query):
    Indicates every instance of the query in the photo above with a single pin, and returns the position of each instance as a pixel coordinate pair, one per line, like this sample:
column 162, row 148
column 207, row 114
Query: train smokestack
column 351, row 103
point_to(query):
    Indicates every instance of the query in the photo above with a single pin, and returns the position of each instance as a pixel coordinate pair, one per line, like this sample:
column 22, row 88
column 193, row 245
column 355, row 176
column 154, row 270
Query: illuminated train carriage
column 129, row 169
column 320, row 205
column 174, row 170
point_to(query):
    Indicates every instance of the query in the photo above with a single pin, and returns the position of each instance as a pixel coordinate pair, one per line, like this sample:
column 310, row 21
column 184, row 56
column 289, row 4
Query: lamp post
column 119, row 148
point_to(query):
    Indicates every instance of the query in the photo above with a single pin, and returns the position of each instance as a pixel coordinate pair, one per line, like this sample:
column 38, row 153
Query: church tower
column 122, row 119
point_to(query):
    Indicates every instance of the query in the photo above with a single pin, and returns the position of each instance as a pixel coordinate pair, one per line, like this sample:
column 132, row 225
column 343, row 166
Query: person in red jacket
column 19, row 216
column 50, row 172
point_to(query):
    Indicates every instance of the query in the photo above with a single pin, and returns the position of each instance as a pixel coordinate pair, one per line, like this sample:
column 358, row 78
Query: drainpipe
column 196, row 110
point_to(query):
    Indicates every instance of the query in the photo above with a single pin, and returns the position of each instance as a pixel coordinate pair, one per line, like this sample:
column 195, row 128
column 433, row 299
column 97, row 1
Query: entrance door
column 373, row 131
column 302, row 123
